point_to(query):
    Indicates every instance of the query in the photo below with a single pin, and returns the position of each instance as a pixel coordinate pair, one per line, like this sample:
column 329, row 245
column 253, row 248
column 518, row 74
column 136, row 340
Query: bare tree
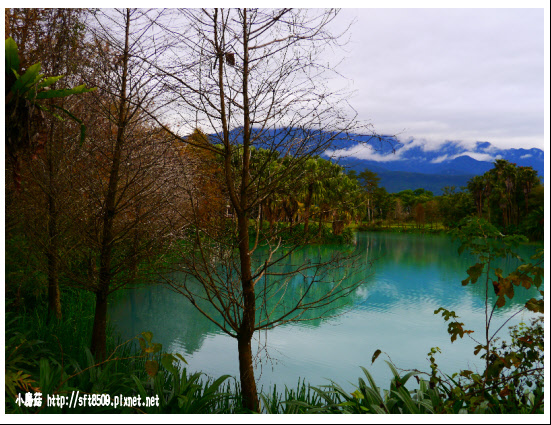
column 253, row 79
column 49, row 37
column 127, row 168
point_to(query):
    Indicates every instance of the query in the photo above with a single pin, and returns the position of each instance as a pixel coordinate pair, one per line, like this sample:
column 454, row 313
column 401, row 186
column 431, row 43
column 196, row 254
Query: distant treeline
column 509, row 196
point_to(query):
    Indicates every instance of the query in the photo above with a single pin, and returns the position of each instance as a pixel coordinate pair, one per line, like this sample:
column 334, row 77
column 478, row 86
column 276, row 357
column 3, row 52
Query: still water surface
column 405, row 278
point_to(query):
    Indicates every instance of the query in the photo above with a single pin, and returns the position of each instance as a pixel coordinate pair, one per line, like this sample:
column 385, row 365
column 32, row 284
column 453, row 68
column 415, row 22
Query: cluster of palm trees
column 505, row 188
column 322, row 192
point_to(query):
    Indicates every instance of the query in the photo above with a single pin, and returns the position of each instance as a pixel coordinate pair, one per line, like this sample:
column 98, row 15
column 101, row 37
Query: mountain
column 410, row 164
column 396, row 181
column 414, row 164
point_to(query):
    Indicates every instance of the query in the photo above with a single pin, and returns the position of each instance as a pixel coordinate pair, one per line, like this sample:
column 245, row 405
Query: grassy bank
column 296, row 235
column 406, row 227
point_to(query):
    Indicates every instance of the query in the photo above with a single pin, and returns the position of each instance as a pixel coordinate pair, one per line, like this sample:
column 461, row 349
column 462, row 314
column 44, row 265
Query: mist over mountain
column 416, row 164
column 408, row 164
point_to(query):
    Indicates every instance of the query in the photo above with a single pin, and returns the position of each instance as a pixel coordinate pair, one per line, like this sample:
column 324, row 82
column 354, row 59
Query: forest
column 143, row 143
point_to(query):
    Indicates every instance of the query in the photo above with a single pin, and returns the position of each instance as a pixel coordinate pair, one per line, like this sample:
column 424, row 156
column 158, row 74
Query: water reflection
column 392, row 310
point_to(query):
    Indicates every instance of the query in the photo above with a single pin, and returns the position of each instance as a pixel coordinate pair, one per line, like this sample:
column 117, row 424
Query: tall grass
column 70, row 335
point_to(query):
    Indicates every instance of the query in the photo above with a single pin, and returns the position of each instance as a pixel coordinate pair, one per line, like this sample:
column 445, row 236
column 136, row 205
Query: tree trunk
column 54, row 294
column 369, row 217
column 98, row 347
column 99, row 331
column 246, row 374
column 54, row 297
column 246, row 330
column 307, row 208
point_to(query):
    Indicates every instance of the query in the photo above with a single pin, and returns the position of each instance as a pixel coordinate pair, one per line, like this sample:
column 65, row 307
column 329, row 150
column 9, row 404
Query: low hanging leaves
column 535, row 305
column 375, row 355
column 474, row 273
column 12, row 55
column 455, row 328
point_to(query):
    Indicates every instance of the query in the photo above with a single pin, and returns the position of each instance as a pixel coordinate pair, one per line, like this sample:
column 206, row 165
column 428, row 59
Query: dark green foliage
column 454, row 206
column 508, row 196
column 291, row 401
column 179, row 392
column 25, row 283
column 368, row 398
column 65, row 337
column 30, row 367
column 396, row 181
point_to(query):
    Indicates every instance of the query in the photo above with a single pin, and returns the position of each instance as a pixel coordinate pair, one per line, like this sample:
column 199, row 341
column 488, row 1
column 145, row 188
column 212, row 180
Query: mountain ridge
column 409, row 164
column 412, row 165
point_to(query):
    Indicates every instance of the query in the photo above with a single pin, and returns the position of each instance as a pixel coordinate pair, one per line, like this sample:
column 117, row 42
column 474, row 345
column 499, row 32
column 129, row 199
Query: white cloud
column 526, row 156
column 475, row 155
column 365, row 152
column 402, row 152
column 449, row 74
column 440, row 159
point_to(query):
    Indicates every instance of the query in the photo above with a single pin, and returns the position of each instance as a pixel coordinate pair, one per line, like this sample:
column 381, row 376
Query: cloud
column 526, row 156
column 474, row 155
column 366, row 152
column 403, row 151
column 449, row 74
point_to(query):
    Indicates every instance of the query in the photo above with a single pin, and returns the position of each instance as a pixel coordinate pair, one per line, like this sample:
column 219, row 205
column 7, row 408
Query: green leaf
column 358, row 395
column 157, row 347
column 12, row 55
column 404, row 395
column 474, row 273
column 378, row 409
column 181, row 357
column 49, row 81
column 140, row 387
column 167, row 361
column 82, row 126
column 30, row 77
column 49, row 94
column 393, row 370
column 142, row 344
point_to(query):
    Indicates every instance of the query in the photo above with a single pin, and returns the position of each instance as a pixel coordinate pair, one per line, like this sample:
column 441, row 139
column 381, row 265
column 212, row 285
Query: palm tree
column 370, row 182
column 312, row 183
column 477, row 187
column 527, row 178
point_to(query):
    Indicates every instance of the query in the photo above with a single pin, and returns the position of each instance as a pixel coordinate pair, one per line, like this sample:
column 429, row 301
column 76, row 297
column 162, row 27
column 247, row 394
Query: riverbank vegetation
column 508, row 196
column 191, row 155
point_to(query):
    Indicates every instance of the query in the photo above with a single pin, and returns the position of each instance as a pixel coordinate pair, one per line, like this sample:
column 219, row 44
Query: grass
column 405, row 227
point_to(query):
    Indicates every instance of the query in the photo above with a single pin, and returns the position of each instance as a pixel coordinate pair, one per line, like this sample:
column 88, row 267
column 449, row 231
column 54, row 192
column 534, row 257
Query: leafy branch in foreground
column 512, row 367
column 25, row 93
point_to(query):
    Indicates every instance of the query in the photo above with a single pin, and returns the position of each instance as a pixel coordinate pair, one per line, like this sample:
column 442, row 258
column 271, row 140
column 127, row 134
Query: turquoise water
column 402, row 279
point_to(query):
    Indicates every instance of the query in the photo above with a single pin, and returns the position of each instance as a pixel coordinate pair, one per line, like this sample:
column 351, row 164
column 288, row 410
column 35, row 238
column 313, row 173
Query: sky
column 434, row 75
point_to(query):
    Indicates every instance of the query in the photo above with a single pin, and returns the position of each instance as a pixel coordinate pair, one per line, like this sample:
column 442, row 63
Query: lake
column 404, row 278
